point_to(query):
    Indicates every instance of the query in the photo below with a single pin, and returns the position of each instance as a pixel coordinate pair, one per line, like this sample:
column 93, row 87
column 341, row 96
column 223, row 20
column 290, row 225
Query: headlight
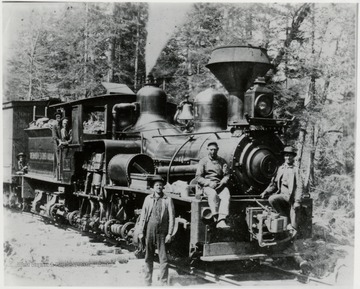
column 264, row 105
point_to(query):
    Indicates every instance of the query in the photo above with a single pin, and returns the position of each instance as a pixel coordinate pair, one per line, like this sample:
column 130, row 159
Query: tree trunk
column 189, row 71
column 310, row 176
column 85, row 47
column 110, row 58
column 298, row 18
column 249, row 26
column 32, row 58
column 301, row 144
column 137, row 49
column 312, row 156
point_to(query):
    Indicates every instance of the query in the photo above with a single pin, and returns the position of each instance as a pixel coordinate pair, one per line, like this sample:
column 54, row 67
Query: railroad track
column 240, row 274
column 268, row 275
column 93, row 235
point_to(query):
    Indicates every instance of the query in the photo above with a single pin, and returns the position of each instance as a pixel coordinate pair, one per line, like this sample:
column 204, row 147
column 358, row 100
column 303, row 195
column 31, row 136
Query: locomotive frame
column 120, row 141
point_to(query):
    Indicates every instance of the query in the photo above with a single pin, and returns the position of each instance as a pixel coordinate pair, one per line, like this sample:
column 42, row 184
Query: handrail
column 190, row 134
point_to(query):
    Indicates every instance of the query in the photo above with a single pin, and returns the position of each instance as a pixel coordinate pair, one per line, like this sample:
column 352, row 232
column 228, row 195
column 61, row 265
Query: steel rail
column 305, row 277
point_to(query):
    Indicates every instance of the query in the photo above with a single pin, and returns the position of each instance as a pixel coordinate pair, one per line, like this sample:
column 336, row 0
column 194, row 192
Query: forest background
column 65, row 50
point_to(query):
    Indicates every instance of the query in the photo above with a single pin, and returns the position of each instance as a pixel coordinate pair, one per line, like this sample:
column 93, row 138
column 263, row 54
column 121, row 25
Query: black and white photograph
column 179, row 143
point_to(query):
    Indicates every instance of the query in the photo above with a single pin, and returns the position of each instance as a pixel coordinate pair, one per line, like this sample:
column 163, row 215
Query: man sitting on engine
column 284, row 189
column 212, row 175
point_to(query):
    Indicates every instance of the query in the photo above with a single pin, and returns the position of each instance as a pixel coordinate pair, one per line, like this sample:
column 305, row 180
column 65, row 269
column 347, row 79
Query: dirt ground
column 37, row 254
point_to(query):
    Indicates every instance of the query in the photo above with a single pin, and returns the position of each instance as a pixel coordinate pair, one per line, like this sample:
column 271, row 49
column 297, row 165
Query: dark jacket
column 167, row 214
column 294, row 186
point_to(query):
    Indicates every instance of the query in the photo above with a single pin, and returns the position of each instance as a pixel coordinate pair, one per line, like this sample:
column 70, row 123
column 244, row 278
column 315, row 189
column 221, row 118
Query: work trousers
column 56, row 160
column 155, row 239
column 218, row 202
column 281, row 204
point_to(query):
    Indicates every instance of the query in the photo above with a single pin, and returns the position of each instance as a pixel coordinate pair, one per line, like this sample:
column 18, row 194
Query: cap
column 21, row 155
column 289, row 150
column 213, row 143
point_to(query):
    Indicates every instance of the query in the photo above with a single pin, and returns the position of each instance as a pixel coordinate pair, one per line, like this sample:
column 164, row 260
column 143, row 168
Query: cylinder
column 122, row 165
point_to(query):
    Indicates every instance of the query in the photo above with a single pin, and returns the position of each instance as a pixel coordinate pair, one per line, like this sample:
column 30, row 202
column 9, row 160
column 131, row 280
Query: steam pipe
column 192, row 134
column 173, row 157
column 177, row 169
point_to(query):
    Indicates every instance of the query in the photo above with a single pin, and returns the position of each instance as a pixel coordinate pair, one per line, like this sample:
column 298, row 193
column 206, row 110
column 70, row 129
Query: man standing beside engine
column 157, row 222
column 66, row 134
column 212, row 175
column 285, row 190
column 56, row 136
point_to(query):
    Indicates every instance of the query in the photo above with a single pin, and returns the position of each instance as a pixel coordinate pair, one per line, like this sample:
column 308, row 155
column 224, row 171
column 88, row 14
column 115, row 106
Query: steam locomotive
column 121, row 141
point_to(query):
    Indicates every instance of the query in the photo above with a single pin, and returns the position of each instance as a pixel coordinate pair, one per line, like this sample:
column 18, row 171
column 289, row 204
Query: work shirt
column 285, row 179
column 212, row 169
column 155, row 216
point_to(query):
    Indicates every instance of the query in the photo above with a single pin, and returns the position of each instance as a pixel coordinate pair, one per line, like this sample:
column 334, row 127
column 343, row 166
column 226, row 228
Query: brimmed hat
column 213, row 143
column 157, row 178
column 58, row 112
column 21, row 155
column 289, row 150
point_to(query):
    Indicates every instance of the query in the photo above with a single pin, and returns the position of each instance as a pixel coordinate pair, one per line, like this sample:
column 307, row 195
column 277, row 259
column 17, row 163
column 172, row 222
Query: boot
column 222, row 224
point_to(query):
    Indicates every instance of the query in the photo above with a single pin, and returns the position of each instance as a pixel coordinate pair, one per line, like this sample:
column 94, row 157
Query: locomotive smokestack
column 236, row 67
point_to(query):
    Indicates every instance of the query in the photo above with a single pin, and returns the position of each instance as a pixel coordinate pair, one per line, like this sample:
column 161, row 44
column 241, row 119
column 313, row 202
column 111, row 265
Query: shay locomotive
column 119, row 142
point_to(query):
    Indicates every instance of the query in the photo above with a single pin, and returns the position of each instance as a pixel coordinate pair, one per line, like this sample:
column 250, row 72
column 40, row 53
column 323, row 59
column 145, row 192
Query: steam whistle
column 150, row 80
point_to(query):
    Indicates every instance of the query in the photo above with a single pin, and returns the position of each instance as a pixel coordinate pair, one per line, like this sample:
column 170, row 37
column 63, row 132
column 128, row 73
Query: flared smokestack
column 236, row 67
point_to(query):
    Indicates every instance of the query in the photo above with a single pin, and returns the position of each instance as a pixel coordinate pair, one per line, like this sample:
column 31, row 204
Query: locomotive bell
column 259, row 100
column 186, row 112
column 186, row 109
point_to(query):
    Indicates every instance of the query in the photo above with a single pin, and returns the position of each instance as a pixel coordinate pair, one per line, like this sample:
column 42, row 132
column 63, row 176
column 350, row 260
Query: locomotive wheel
column 72, row 217
column 107, row 228
column 53, row 211
column 125, row 229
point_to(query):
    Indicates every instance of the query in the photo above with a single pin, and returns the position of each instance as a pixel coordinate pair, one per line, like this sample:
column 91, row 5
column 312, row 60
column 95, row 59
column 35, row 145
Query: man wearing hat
column 212, row 175
column 22, row 167
column 284, row 190
column 66, row 134
column 157, row 224
column 56, row 136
